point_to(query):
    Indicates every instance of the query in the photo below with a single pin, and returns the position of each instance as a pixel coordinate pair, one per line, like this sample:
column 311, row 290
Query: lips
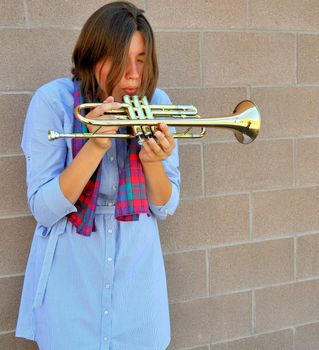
column 130, row 90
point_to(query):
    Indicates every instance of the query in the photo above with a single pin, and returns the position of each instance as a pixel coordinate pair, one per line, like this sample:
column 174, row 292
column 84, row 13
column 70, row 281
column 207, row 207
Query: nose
column 132, row 71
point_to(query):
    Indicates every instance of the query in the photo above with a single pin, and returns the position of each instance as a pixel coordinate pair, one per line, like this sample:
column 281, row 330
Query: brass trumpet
column 143, row 118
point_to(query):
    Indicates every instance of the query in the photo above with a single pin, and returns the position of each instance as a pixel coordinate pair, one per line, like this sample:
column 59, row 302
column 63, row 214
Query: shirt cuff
column 55, row 204
column 161, row 211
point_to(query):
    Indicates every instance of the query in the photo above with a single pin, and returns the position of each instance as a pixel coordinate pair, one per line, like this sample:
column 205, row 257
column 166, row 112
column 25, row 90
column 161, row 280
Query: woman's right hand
column 96, row 113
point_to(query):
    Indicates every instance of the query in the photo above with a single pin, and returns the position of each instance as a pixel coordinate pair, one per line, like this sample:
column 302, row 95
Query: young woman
column 95, row 277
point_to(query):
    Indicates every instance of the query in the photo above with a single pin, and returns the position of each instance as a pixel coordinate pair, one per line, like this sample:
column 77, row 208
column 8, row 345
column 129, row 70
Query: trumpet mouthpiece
column 52, row 135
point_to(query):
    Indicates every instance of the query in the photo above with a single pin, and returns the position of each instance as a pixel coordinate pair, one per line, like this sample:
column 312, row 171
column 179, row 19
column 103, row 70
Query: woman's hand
column 96, row 113
column 160, row 148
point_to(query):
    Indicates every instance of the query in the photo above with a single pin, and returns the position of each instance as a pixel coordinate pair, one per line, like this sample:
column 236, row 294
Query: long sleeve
column 45, row 159
column 171, row 166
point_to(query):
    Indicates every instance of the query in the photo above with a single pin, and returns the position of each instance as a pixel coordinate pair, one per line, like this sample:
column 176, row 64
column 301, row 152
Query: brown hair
column 108, row 33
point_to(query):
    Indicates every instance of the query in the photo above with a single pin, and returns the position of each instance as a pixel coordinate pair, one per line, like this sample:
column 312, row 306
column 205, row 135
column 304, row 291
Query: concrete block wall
column 242, row 251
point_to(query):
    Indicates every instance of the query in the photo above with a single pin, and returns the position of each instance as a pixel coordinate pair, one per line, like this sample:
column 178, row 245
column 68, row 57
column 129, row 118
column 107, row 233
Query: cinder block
column 284, row 14
column 307, row 337
column 237, row 58
column 186, row 275
column 31, row 57
column 273, row 341
column 284, row 306
column 285, row 212
column 65, row 13
column 308, row 256
column 205, row 222
column 12, row 118
column 12, row 13
column 178, row 58
column 12, row 185
column 8, row 341
column 307, row 161
column 251, row 265
column 308, row 59
column 200, row 14
column 10, row 292
column 262, row 164
column 207, row 320
column 288, row 111
column 191, row 170
column 16, row 235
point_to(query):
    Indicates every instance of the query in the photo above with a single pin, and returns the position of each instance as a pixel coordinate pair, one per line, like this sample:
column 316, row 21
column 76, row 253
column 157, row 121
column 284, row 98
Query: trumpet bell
column 250, row 115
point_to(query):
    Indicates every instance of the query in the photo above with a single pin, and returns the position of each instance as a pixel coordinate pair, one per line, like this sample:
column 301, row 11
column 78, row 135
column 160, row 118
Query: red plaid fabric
column 83, row 219
column 131, row 197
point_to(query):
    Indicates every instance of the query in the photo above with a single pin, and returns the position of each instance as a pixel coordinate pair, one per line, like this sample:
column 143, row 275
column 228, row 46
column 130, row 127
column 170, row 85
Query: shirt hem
column 26, row 335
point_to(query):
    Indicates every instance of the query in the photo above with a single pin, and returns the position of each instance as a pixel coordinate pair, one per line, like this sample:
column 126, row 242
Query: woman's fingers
column 157, row 150
column 152, row 152
column 99, row 111
column 165, row 138
column 109, row 99
column 156, row 147
column 162, row 141
column 165, row 129
column 107, row 105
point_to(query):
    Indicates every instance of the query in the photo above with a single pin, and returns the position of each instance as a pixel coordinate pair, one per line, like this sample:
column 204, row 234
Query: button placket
column 108, row 283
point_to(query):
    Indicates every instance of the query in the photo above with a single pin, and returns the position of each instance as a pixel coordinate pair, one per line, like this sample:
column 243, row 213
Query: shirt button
column 114, row 187
column 110, row 230
column 111, row 159
column 106, row 312
column 105, row 338
column 109, row 258
column 107, row 286
column 109, row 204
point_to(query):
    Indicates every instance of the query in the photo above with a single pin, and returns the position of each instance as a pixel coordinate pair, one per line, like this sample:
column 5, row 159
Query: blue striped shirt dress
column 103, row 292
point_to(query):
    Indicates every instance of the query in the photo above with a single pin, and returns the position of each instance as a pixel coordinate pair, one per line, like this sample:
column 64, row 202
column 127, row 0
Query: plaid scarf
column 131, row 196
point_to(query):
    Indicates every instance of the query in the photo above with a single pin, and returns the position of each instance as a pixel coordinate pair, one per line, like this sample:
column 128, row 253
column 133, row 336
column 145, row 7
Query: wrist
column 96, row 148
column 151, row 164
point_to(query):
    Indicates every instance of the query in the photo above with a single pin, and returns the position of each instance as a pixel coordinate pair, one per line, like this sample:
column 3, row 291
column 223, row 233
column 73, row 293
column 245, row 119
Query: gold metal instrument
column 143, row 118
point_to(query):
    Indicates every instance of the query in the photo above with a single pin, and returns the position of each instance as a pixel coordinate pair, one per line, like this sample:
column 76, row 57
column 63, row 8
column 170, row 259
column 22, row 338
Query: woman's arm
column 158, row 185
column 75, row 177
column 50, row 199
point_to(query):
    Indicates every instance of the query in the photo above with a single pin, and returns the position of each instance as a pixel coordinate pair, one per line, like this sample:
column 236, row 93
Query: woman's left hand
column 158, row 148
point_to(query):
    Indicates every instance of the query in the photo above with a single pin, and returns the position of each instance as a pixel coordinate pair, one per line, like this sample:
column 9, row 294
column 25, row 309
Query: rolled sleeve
column 46, row 159
column 50, row 204
column 162, row 211
column 171, row 166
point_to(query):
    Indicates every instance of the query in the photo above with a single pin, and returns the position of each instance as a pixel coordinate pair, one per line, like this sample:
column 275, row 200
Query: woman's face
column 132, row 78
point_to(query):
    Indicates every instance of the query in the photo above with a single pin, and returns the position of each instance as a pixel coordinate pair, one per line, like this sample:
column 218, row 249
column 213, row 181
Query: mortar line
column 26, row 13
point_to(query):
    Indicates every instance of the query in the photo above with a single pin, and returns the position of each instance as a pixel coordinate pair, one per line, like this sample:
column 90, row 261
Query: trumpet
column 143, row 119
